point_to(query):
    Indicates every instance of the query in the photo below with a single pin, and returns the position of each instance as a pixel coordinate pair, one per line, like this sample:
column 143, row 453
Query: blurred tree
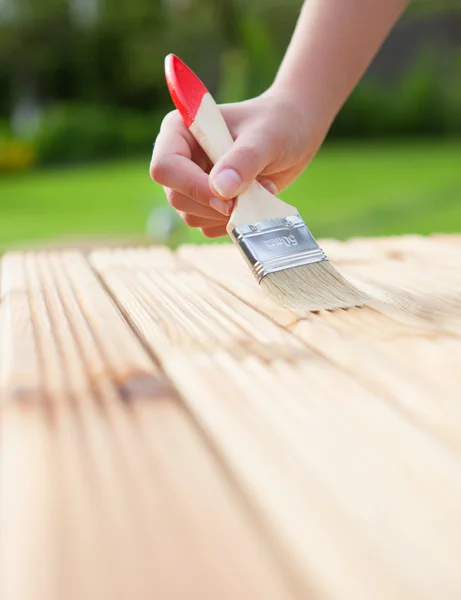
column 36, row 46
column 110, row 53
column 122, row 52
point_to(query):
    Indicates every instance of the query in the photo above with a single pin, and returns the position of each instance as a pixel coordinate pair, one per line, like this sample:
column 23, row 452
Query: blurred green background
column 83, row 94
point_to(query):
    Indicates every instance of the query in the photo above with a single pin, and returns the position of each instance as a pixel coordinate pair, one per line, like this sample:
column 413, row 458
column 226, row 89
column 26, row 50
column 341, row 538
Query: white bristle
column 316, row 286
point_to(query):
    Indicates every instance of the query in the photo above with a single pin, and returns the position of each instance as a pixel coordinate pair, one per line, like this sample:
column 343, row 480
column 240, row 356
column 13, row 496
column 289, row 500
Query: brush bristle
column 316, row 286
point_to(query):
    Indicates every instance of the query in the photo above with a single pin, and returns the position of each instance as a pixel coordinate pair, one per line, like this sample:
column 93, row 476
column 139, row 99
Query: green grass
column 349, row 190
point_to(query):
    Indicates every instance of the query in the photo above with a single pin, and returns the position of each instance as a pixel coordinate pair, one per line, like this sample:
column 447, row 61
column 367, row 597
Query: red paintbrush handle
column 185, row 88
column 197, row 108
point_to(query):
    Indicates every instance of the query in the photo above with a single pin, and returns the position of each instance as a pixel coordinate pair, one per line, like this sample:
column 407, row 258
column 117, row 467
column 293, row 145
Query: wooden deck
column 166, row 432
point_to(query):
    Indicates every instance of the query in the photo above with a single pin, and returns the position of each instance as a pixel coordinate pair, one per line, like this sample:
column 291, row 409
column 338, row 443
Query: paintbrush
column 276, row 243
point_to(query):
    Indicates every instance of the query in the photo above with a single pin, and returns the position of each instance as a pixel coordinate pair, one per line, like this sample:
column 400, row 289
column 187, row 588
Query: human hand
column 274, row 142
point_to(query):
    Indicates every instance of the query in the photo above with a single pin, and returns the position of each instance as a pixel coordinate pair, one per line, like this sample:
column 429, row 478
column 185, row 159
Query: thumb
column 236, row 170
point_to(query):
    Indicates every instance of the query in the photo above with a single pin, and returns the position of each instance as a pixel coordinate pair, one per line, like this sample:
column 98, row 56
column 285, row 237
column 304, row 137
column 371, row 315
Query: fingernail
column 220, row 206
column 227, row 183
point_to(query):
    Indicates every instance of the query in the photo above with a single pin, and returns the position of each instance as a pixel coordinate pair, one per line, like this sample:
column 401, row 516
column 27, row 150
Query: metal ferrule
column 277, row 244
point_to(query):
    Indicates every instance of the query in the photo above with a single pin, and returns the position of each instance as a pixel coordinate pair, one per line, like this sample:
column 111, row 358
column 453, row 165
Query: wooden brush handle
column 202, row 116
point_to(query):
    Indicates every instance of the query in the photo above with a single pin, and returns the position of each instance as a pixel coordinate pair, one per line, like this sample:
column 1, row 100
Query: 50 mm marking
column 282, row 240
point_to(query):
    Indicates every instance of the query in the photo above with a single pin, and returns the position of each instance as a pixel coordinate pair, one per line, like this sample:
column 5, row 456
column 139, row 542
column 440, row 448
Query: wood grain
column 166, row 431
column 268, row 369
column 108, row 487
column 411, row 356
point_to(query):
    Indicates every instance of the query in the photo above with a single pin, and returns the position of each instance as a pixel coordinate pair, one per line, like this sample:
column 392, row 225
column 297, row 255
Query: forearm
column 333, row 44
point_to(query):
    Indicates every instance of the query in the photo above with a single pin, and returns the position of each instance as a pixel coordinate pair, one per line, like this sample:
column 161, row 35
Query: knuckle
column 249, row 154
column 206, row 232
column 172, row 198
column 189, row 220
column 212, row 232
column 170, row 120
column 192, row 220
column 158, row 168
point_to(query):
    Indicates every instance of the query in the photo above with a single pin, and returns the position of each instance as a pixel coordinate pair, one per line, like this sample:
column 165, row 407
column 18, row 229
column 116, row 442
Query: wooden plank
column 163, row 416
column 175, row 449
column 385, row 343
column 317, row 465
column 452, row 239
column 27, row 476
column 108, row 489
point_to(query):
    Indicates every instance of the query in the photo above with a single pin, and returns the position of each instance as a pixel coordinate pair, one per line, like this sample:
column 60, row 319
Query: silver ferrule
column 277, row 244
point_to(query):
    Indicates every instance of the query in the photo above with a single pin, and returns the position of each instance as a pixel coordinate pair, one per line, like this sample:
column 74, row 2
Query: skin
column 278, row 133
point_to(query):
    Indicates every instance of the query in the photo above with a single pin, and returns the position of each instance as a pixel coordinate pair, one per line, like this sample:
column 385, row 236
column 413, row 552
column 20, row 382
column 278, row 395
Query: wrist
column 307, row 94
column 312, row 120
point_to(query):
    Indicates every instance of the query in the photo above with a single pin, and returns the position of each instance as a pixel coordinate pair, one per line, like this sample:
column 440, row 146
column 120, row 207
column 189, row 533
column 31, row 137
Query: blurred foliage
column 421, row 103
column 78, row 132
column 433, row 6
column 94, row 70
column 15, row 155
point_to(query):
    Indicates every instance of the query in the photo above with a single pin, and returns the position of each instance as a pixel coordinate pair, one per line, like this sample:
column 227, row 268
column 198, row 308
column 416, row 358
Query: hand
column 274, row 142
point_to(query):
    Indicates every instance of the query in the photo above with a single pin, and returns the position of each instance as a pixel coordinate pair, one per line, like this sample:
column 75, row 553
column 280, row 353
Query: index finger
column 172, row 165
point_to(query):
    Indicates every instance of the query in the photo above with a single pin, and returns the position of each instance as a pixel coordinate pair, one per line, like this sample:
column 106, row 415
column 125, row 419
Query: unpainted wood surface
column 167, row 432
